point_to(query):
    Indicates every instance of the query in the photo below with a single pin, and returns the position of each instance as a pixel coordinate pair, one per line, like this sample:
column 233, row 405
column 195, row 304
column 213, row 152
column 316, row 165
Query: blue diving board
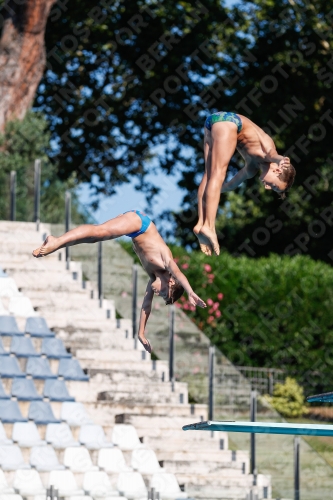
column 263, row 428
column 326, row 397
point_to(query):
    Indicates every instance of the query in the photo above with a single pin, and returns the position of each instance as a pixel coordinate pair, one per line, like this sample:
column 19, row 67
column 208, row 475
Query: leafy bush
column 23, row 142
column 274, row 312
column 288, row 399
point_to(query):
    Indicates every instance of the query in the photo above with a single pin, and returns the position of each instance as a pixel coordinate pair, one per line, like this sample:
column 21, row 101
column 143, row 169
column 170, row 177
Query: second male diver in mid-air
column 166, row 279
column 224, row 133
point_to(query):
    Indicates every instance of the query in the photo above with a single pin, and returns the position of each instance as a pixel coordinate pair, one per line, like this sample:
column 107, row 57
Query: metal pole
column 134, row 300
column 67, row 223
column 171, row 343
column 271, row 383
column 100, row 273
column 37, row 193
column 211, row 382
column 13, row 195
column 52, row 493
column 253, row 413
column 296, row 469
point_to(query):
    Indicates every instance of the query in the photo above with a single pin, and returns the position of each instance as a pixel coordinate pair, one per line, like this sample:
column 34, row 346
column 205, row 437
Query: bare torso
column 152, row 251
column 253, row 143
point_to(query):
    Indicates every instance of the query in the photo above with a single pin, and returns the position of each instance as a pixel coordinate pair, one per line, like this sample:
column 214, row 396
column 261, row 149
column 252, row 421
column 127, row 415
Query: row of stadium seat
column 23, row 389
column 35, row 326
column 96, row 484
column 60, row 436
column 38, row 367
column 77, row 459
column 51, row 347
column 41, row 413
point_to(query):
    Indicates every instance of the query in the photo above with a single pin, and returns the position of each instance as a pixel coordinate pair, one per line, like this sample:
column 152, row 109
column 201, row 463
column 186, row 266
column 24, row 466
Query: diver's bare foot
column 205, row 245
column 146, row 344
column 47, row 247
column 211, row 236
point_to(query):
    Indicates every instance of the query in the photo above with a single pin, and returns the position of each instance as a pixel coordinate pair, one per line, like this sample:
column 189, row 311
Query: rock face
column 128, row 393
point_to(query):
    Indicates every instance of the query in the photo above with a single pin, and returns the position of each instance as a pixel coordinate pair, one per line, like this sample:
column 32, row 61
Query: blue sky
column 128, row 198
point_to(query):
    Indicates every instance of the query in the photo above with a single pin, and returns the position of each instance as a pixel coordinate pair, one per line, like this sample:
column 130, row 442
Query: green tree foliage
column 274, row 312
column 125, row 78
column 288, row 399
column 23, row 142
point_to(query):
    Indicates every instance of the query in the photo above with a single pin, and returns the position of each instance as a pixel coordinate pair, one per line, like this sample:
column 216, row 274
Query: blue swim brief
column 223, row 116
column 144, row 226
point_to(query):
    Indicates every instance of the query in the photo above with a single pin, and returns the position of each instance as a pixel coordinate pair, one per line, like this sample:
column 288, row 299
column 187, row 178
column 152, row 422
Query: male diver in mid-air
column 225, row 132
column 166, row 279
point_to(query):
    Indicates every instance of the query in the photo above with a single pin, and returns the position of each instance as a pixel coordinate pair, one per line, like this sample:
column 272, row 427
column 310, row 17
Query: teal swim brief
column 223, row 116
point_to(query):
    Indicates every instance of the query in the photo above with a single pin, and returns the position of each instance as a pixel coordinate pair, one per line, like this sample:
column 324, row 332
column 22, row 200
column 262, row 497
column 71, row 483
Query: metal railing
column 262, row 379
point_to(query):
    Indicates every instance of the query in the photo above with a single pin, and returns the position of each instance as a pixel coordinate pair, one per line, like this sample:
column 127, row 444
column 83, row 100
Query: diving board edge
column 262, row 428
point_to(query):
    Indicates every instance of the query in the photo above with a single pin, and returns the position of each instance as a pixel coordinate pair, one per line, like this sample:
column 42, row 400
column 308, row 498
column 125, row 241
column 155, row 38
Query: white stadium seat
column 74, row 414
column 112, row 460
column 3, row 310
column 64, row 482
column 125, row 436
column 78, row 459
column 3, row 436
column 11, row 458
column 78, row 497
column 13, row 497
column 44, row 458
column 60, row 435
column 93, row 437
column 131, row 485
column 8, row 287
column 4, row 488
column 98, row 485
column 144, row 461
column 21, row 306
column 26, row 434
column 28, row 483
column 167, row 486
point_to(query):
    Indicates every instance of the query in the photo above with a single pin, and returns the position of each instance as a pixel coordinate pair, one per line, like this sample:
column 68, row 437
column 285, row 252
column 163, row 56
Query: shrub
column 274, row 311
column 288, row 399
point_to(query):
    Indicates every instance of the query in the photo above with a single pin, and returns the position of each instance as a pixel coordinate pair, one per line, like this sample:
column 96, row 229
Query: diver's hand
column 195, row 300
column 145, row 342
column 285, row 162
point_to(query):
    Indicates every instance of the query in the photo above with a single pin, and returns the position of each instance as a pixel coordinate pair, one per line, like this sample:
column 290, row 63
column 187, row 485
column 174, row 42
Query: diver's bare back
column 252, row 142
column 152, row 250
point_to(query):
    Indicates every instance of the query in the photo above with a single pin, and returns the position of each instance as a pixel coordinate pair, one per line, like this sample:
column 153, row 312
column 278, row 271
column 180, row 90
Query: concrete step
column 101, row 359
column 226, row 469
column 78, row 331
column 232, row 487
column 217, row 456
column 91, row 392
column 169, row 448
column 218, row 493
column 105, row 414
column 166, row 422
column 48, row 265
column 113, row 338
column 127, row 375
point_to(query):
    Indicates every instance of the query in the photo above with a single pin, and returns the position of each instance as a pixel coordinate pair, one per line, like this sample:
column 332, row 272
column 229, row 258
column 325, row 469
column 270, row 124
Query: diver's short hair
column 288, row 176
column 175, row 292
